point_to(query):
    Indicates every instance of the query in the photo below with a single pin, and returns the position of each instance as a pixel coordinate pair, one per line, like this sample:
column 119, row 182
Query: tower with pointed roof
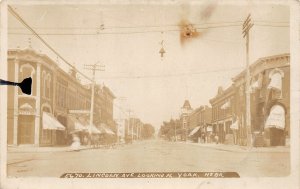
column 186, row 109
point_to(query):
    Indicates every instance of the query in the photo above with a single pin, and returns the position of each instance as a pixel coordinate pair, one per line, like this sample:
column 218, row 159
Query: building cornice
column 265, row 61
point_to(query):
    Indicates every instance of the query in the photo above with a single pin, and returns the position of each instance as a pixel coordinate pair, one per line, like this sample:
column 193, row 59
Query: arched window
column 27, row 70
column 276, row 75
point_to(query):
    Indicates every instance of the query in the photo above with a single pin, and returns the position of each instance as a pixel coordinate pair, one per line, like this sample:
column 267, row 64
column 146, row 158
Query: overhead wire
column 17, row 16
column 95, row 33
column 172, row 75
column 128, row 32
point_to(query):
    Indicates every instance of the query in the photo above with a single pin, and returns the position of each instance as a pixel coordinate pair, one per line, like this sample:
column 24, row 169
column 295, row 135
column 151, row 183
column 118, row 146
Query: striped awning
column 106, row 129
column 49, row 122
column 196, row 129
column 276, row 118
column 74, row 125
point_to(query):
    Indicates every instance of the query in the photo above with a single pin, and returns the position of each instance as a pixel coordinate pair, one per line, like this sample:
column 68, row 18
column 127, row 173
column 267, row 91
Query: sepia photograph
column 148, row 89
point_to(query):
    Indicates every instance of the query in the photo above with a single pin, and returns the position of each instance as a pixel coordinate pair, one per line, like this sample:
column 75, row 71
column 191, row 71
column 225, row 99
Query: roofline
column 260, row 60
column 221, row 96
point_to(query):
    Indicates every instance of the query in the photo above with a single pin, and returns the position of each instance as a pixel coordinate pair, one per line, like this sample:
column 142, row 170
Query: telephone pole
column 246, row 29
column 129, row 122
column 121, row 100
column 93, row 67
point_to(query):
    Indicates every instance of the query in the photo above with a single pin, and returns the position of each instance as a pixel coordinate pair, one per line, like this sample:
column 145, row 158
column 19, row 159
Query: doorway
column 26, row 129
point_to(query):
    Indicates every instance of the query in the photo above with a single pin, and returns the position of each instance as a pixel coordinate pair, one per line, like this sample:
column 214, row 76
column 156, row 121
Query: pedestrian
column 217, row 139
column 75, row 146
column 203, row 137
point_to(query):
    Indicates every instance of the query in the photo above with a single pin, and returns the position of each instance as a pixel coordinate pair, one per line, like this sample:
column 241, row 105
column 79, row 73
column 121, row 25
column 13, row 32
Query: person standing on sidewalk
column 217, row 139
column 75, row 146
column 235, row 127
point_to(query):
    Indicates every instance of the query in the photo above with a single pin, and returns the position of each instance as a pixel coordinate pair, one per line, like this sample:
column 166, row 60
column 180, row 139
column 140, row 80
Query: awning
column 276, row 118
column 276, row 80
column 94, row 130
column 226, row 105
column 194, row 131
column 75, row 125
column 49, row 122
column 106, row 130
column 235, row 125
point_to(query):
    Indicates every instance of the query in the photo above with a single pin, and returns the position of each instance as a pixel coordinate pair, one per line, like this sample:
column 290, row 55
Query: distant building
column 186, row 109
column 57, row 94
column 222, row 113
column 200, row 123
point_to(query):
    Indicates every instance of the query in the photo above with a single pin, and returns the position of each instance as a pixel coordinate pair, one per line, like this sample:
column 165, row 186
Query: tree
column 147, row 131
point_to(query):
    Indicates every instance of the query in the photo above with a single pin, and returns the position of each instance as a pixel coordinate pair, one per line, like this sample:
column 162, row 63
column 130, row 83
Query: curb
column 253, row 149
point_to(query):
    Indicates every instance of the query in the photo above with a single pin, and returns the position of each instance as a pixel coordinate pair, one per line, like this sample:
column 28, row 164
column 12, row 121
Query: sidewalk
column 237, row 148
column 33, row 149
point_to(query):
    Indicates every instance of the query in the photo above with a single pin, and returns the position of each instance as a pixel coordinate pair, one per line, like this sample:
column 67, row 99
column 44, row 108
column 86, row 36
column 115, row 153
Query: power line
column 126, row 27
column 96, row 33
column 141, row 26
column 17, row 16
column 126, row 32
column 172, row 75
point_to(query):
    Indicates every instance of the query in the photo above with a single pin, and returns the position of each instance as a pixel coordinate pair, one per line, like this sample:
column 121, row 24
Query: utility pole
column 129, row 122
column 132, row 128
column 94, row 67
column 121, row 100
column 246, row 29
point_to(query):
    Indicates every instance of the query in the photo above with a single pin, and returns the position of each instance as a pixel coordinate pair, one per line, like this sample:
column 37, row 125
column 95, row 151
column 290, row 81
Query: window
column 46, row 79
column 276, row 75
column 44, row 83
column 47, row 86
column 61, row 91
column 27, row 70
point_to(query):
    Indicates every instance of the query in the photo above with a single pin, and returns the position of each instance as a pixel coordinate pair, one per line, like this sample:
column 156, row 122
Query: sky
column 127, row 39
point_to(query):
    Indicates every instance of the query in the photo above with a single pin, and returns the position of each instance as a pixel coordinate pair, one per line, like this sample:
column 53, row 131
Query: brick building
column 222, row 113
column 200, row 122
column 53, row 91
column 269, row 104
column 270, row 100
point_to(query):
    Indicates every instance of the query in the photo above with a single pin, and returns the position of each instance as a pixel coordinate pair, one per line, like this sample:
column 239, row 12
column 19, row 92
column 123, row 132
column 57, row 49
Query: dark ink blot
column 25, row 85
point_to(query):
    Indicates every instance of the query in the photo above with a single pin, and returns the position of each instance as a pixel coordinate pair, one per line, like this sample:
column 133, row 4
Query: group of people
column 95, row 141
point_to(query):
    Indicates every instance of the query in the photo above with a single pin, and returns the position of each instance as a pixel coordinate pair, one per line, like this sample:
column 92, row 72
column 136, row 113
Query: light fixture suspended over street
column 162, row 51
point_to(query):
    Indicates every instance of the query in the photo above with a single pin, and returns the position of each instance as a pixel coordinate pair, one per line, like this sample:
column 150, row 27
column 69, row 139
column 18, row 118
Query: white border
column 291, row 181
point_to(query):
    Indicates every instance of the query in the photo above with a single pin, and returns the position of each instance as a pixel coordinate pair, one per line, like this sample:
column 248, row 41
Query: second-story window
column 46, row 78
column 61, row 95
column 47, row 87
column 27, row 70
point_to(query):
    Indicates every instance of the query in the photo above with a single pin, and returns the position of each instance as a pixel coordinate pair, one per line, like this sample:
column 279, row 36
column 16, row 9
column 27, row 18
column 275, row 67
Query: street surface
column 149, row 156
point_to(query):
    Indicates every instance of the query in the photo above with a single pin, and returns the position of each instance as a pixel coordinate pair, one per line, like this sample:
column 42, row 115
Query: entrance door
column 26, row 129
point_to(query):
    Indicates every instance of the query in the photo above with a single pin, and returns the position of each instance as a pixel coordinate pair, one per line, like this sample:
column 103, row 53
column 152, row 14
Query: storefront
column 49, row 127
column 275, row 125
